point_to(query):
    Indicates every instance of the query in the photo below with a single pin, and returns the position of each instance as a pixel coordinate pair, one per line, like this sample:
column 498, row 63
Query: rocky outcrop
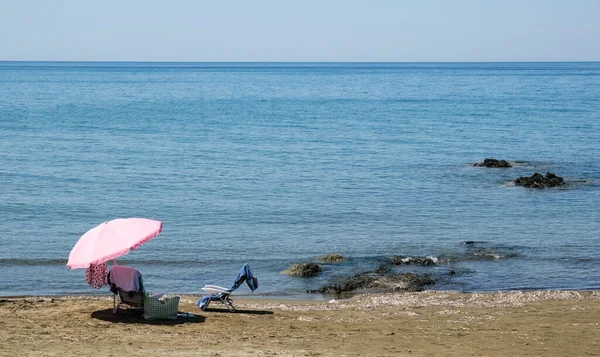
column 394, row 282
column 493, row 163
column 330, row 258
column 355, row 282
column 406, row 282
column 303, row 269
column 537, row 180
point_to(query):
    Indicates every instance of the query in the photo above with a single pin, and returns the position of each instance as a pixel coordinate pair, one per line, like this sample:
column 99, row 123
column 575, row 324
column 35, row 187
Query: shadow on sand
column 238, row 311
column 135, row 317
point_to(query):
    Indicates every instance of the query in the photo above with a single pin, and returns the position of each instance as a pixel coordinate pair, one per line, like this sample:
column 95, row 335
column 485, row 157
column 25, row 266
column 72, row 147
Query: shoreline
column 550, row 323
column 318, row 297
column 499, row 296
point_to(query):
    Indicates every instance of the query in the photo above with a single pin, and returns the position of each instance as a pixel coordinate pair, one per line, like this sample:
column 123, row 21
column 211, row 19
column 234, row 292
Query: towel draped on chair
column 245, row 274
column 126, row 278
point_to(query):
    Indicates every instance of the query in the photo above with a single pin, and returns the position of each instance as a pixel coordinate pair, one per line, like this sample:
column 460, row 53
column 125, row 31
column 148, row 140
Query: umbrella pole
column 115, row 306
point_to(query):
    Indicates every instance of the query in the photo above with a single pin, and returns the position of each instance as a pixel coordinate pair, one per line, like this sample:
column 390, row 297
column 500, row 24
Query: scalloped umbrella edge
column 112, row 239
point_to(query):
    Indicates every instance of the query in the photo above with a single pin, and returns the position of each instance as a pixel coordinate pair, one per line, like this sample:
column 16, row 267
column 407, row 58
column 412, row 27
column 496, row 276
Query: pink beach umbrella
column 112, row 239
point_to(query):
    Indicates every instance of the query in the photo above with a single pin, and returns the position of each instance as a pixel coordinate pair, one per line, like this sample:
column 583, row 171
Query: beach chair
column 218, row 293
column 127, row 284
column 223, row 295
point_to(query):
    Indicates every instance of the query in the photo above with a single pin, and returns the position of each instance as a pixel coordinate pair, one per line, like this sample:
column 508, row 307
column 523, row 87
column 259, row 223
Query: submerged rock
column 355, row 282
column 493, row 163
column 303, row 269
column 330, row 258
column 407, row 282
column 400, row 260
column 488, row 255
column 537, row 180
column 382, row 269
column 484, row 254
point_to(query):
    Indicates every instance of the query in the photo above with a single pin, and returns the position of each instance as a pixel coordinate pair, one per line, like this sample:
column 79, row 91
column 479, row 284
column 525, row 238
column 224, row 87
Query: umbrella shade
column 112, row 239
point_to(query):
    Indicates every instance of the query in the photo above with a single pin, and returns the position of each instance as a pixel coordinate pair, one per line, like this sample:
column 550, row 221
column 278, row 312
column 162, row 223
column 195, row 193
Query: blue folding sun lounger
column 219, row 293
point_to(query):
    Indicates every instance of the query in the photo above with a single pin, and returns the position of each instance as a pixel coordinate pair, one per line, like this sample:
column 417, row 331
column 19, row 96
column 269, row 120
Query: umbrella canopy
column 112, row 239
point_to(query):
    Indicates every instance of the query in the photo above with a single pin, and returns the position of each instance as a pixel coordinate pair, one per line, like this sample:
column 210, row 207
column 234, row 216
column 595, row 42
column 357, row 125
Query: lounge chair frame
column 135, row 302
column 221, row 294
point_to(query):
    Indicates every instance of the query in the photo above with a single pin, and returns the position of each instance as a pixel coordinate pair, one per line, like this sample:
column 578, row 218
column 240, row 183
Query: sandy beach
column 548, row 323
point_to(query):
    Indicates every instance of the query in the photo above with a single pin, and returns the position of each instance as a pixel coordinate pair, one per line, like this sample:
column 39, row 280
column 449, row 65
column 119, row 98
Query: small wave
column 480, row 255
column 490, row 255
column 5, row 262
column 472, row 242
column 406, row 260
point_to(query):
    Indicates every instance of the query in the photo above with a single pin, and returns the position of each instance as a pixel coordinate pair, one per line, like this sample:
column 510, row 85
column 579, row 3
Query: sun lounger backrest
column 127, row 283
column 126, row 278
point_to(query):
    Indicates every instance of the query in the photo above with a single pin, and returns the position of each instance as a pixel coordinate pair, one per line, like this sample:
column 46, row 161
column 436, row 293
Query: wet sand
column 549, row 323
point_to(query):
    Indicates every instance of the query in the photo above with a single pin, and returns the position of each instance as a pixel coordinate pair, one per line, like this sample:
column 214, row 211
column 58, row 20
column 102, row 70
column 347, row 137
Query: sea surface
column 274, row 164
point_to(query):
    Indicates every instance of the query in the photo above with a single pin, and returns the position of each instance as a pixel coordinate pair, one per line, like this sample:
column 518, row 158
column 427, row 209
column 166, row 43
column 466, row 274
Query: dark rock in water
column 411, row 282
column 493, row 163
column 330, row 258
column 400, row 260
column 304, row 269
column 394, row 282
column 537, row 180
column 383, row 269
column 358, row 281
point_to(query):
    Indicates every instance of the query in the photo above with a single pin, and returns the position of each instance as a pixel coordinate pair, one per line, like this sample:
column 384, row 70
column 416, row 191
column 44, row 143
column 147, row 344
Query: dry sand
column 550, row 323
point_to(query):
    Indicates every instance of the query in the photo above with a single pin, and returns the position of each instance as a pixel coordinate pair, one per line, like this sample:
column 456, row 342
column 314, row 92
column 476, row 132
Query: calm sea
column 277, row 163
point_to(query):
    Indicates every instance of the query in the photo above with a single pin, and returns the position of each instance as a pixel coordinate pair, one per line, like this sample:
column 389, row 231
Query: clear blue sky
column 300, row 30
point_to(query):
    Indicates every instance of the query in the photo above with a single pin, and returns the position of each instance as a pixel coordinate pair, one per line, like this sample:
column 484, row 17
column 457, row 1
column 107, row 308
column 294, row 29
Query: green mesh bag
column 161, row 309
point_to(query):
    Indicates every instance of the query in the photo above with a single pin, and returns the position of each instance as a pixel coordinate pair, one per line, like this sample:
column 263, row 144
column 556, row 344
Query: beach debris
column 303, row 269
column 493, row 163
column 330, row 258
column 406, row 260
column 537, row 180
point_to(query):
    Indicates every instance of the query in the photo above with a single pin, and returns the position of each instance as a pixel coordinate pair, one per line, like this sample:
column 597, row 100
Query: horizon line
column 308, row 62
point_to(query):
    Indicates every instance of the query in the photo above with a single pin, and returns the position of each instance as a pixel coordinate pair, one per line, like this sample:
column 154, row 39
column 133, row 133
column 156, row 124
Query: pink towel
column 95, row 275
column 125, row 278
